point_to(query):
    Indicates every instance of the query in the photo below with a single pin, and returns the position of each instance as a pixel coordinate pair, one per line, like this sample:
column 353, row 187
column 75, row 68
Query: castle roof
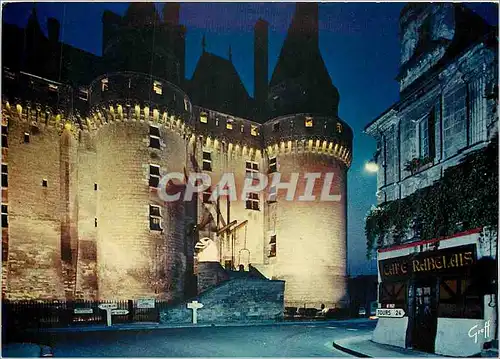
column 300, row 82
column 217, row 85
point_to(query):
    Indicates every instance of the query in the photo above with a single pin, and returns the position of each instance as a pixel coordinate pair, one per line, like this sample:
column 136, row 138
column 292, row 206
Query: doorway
column 425, row 316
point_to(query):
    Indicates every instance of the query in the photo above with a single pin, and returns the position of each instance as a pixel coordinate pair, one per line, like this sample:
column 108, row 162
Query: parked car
column 362, row 312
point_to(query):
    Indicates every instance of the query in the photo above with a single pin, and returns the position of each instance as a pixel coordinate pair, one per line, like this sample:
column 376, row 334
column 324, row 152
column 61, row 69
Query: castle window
column 157, row 87
column 83, row 94
column 252, row 201
column 423, row 137
column 251, row 169
column 95, row 186
column 203, row 117
column 154, row 176
column 242, row 128
column 273, row 167
column 154, row 131
column 216, row 122
column 272, row 246
column 154, row 137
column 309, row 122
column 104, row 84
column 44, row 183
column 206, row 195
column 53, row 87
column 95, row 222
column 154, row 142
column 339, row 127
column 186, row 104
column 455, row 121
column 229, row 124
column 5, row 214
column 253, row 130
column 5, row 176
column 154, row 218
column 207, row 161
column 26, row 137
column 276, row 127
column 272, row 194
column 4, row 137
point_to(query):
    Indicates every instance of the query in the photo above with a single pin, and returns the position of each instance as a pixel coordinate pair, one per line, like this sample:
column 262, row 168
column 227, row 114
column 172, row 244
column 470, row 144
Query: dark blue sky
column 358, row 41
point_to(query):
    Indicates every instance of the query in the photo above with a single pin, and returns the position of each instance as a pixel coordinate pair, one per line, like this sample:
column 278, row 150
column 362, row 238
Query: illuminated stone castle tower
column 83, row 163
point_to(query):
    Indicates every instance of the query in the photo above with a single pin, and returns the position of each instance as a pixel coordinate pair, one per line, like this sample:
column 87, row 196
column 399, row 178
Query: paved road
column 289, row 340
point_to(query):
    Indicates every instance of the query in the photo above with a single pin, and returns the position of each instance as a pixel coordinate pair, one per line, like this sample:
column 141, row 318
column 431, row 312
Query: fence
column 54, row 314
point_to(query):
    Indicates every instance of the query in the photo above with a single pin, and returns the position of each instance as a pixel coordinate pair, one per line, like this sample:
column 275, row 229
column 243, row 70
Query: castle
column 86, row 140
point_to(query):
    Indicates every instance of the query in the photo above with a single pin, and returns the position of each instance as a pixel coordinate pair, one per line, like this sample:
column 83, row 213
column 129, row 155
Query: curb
column 350, row 351
column 165, row 326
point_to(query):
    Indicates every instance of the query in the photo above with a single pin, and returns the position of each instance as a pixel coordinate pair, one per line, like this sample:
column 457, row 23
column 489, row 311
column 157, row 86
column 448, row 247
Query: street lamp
column 371, row 167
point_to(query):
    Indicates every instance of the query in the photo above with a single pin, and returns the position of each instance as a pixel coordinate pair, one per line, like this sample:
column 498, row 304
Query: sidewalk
column 363, row 347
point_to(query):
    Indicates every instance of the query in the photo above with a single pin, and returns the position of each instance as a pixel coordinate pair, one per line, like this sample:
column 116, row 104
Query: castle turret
column 300, row 82
column 261, row 59
column 171, row 13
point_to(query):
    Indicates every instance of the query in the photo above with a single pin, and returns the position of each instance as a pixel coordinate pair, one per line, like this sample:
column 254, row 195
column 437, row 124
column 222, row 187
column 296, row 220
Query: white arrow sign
column 390, row 313
column 83, row 311
column 108, row 307
column 119, row 312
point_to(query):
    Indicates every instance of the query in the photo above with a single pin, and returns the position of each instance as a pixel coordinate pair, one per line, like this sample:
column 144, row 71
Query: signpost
column 390, row 313
column 194, row 305
column 119, row 312
column 83, row 311
column 146, row 303
column 108, row 307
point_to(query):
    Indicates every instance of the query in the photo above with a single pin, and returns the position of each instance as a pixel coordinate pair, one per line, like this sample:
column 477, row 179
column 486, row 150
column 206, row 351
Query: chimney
column 53, row 30
column 261, row 63
column 110, row 24
column 171, row 13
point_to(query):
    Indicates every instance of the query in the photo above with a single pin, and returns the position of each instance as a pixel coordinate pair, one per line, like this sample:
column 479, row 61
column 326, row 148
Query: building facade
column 86, row 142
column 446, row 115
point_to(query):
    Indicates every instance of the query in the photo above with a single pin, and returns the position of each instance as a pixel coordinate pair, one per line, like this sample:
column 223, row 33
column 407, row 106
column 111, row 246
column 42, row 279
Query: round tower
column 139, row 138
column 307, row 236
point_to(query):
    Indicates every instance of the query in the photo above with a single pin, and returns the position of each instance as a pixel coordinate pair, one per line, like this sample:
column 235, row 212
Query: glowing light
column 67, row 126
column 253, row 130
column 371, row 167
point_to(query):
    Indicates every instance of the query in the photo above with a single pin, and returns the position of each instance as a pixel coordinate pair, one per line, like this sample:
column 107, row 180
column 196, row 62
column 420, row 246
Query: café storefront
column 435, row 286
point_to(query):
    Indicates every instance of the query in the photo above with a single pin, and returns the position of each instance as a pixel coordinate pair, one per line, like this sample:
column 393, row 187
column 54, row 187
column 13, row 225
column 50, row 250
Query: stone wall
column 34, row 259
column 235, row 301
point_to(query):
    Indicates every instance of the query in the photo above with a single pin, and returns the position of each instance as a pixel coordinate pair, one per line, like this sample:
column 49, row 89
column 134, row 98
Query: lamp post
column 371, row 167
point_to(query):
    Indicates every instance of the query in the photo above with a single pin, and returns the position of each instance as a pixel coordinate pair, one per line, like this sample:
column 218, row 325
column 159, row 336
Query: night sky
column 358, row 41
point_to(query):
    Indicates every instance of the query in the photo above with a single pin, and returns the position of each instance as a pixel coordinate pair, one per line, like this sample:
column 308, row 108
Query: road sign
column 194, row 305
column 83, row 311
column 146, row 303
column 106, row 306
column 119, row 312
column 390, row 313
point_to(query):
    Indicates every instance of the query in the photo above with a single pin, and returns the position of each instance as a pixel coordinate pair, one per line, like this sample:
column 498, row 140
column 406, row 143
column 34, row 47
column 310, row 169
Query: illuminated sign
column 446, row 260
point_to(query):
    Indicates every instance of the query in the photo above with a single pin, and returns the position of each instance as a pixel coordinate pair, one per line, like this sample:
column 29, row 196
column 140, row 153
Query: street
column 284, row 340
